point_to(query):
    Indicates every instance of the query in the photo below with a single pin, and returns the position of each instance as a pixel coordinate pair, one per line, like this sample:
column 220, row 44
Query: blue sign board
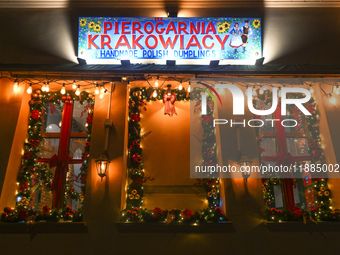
column 169, row 38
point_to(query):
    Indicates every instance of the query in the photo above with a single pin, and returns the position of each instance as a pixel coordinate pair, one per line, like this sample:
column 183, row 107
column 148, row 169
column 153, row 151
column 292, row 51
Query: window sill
column 294, row 226
column 43, row 227
column 161, row 227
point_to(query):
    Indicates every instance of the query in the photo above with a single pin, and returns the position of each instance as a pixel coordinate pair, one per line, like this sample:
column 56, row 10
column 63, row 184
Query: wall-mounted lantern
column 244, row 162
column 102, row 164
column 245, row 166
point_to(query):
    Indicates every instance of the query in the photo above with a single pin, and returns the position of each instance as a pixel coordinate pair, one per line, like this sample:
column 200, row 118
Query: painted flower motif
column 137, row 196
column 97, row 28
column 220, row 29
column 91, row 24
column 134, row 192
column 226, row 25
column 82, row 22
column 256, row 23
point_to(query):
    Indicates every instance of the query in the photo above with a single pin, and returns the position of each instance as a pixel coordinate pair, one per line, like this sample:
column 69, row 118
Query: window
column 53, row 169
column 297, row 146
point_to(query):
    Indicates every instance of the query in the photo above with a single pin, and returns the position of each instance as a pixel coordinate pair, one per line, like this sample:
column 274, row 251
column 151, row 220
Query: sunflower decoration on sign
column 97, row 28
column 220, row 28
column 256, row 23
column 91, row 25
column 82, row 22
column 226, row 26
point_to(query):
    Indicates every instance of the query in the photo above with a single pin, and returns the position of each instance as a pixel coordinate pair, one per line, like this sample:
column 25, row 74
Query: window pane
column 267, row 127
column 297, row 146
column 269, row 146
column 74, row 181
column 278, row 196
column 53, row 115
column 80, row 112
column 294, row 114
column 48, row 147
column 77, row 147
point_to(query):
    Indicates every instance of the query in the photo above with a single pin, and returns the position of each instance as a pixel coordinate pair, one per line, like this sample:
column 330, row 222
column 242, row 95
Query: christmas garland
column 322, row 210
column 33, row 174
column 136, row 175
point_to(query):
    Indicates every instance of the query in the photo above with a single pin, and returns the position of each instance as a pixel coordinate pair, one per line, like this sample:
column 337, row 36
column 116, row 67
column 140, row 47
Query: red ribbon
column 58, row 180
column 285, row 159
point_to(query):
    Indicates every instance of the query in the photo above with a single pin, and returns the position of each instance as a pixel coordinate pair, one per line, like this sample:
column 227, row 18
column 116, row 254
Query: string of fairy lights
column 96, row 87
column 99, row 87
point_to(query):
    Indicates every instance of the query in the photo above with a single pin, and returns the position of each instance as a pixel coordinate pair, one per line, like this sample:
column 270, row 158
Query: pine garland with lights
column 322, row 210
column 33, row 174
column 135, row 190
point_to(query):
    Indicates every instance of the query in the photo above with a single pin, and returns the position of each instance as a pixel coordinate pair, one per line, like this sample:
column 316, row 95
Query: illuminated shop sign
column 108, row 38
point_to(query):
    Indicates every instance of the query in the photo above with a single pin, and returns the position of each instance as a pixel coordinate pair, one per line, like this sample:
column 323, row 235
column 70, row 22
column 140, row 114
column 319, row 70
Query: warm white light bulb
column 29, row 90
column 74, row 85
column 96, row 91
column 189, row 88
column 337, row 90
column 261, row 91
column 78, row 90
column 60, row 124
column 47, row 88
column 63, row 90
column 43, row 88
column 332, row 100
column 254, row 92
column 15, row 86
column 156, row 83
column 154, row 94
column 101, row 96
column 180, row 87
column 311, row 90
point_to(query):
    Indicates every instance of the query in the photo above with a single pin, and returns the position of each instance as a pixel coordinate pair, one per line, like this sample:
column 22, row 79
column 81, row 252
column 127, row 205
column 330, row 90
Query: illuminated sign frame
column 117, row 38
